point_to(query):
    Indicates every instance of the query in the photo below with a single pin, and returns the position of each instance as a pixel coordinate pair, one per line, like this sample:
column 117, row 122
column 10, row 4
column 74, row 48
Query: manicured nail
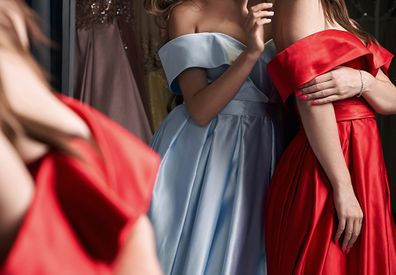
column 314, row 102
column 304, row 97
column 348, row 250
column 299, row 93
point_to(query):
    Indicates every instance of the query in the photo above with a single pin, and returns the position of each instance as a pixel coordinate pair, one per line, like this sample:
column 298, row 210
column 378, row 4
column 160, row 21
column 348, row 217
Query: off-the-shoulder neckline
column 209, row 34
column 205, row 34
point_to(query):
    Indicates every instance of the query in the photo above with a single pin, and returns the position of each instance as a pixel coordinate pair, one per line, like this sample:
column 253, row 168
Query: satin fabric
column 208, row 198
column 300, row 212
column 84, row 209
column 104, row 78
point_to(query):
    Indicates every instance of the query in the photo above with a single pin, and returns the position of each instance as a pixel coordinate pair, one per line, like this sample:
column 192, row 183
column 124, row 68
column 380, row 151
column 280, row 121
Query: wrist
column 342, row 184
column 367, row 80
column 252, row 55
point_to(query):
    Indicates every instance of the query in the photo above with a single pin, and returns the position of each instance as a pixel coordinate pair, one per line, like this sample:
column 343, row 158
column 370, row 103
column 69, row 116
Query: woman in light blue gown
column 208, row 200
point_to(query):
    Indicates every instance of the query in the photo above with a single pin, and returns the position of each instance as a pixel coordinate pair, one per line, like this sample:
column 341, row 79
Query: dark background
column 379, row 18
column 57, row 22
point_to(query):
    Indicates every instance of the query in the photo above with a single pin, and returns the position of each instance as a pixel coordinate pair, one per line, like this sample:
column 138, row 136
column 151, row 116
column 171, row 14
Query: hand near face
column 257, row 16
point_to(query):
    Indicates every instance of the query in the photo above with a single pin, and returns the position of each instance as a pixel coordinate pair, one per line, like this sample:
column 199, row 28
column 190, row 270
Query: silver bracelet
column 361, row 84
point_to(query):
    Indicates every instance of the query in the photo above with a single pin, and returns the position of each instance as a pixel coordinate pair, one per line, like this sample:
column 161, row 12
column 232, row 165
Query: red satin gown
column 83, row 210
column 301, row 219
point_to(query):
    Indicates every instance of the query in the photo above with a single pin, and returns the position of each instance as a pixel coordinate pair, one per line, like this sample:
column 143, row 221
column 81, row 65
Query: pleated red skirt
column 301, row 217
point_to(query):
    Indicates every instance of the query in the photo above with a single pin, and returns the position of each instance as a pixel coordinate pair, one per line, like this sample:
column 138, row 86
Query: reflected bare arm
column 16, row 193
column 138, row 256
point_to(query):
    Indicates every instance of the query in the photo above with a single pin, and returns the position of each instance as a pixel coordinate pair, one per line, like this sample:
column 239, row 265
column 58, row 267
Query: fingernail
column 299, row 93
column 304, row 97
column 314, row 102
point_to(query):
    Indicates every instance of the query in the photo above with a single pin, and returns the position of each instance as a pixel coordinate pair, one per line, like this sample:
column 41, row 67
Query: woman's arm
column 139, row 256
column 16, row 192
column 319, row 121
column 321, row 129
column 205, row 101
column 345, row 82
column 380, row 93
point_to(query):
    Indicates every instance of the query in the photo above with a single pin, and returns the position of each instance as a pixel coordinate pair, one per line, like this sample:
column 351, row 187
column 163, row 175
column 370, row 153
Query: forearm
column 205, row 104
column 138, row 255
column 380, row 93
column 321, row 129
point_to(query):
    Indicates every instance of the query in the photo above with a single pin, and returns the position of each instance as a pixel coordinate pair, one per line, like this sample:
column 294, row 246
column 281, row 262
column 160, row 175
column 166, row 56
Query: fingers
column 340, row 229
column 258, row 16
column 255, row 20
column 326, row 100
column 318, row 87
column 320, row 94
column 263, row 13
column 348, row 233
column 357, row 227
column 322, row 78
column 261, row 6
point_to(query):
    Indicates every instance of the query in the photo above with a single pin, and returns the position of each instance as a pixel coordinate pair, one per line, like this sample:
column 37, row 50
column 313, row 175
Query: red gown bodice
column 83, row 209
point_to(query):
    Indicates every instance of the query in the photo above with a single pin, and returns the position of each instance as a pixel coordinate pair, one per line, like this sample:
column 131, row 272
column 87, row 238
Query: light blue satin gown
column 207, row 207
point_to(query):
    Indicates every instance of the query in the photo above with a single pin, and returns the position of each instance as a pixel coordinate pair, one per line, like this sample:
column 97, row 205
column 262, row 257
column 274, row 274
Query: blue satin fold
column 207, row 207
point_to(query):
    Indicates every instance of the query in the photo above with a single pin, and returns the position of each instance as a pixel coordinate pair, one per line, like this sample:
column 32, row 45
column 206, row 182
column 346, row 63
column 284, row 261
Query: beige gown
column 103, row 75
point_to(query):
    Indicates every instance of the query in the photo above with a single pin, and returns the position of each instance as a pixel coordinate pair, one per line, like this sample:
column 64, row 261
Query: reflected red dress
column 83, row 210
column 301, row 217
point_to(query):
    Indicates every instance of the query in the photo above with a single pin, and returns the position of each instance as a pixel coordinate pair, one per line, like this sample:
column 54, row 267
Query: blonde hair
column 161, row 9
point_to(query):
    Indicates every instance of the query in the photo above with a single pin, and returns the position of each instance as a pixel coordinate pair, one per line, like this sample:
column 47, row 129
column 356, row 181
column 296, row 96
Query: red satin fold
column 321, row 52
column 83, row 210
column 300, row 217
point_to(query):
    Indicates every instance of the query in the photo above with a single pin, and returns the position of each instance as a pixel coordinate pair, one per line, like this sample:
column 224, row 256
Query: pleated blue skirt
column 207, row 207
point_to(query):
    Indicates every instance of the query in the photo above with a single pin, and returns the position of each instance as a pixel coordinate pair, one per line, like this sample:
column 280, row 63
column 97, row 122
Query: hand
column 350, row 216
column 341, row 83
column 256, row 18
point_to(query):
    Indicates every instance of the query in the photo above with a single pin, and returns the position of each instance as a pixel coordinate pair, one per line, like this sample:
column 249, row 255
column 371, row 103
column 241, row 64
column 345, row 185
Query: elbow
column 385, row 110
column 200, row 117
column 201, row 120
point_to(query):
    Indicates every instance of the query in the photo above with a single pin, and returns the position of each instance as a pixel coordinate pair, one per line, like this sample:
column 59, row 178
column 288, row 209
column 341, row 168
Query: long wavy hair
column 161, row 8
column 13, row 124
column 336, row 12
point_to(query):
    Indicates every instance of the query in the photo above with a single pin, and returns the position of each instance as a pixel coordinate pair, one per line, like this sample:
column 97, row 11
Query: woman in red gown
column 329, row 208
column 74, row 186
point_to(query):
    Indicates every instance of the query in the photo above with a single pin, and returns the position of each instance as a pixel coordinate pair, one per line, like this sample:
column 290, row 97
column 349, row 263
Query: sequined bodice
column 90, row 12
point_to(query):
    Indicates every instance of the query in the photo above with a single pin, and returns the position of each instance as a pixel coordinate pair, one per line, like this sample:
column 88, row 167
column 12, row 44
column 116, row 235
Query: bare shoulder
column 184, row 18
column 297, row 19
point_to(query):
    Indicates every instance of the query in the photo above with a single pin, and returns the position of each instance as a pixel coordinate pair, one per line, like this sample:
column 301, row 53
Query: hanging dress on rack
column 103, row 76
